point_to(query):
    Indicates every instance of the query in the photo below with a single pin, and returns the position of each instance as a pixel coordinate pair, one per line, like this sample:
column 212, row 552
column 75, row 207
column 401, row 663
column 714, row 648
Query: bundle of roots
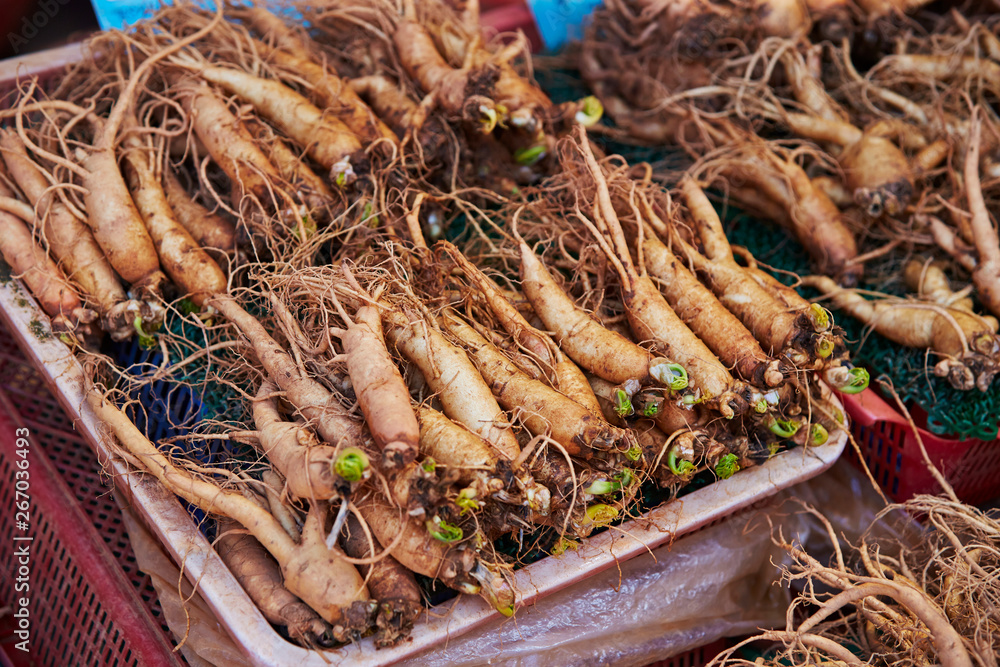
column 871, row 154
column 264, row 207
column 930, row 599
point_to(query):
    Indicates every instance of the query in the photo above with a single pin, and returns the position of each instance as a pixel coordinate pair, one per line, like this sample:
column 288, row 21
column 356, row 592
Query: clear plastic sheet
column 710, row 584
column 187, row 615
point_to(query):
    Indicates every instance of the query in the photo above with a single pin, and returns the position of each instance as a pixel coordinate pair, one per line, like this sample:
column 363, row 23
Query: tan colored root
column 70, row 241
column 650, row 316
column 929, row 281
column 188, row 265
column 293, row 450
column 391, row 584
column 595, row 348
column 962, row 338
column 449, row 373
column 381, row 391
column 543, row 410
column 210, row 230
column 29, row 262
column 260, row 576
column 317, row 577
column 986, row 277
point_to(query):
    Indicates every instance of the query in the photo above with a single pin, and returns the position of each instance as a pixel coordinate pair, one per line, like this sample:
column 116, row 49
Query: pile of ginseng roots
column 209, row 184
column 919, row 588
column 870, row 133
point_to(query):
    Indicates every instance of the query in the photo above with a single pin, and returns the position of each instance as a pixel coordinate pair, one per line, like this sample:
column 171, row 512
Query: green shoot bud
column 529, row 156
column 66, row 338
column 772, row 450
column 367, row 217
column 601, row 487
column 679, row 467
column 651, row 408
column 601, row 515
column 727, row 466
column 351, row 464
column 625, row 478
column 783, row 428
column 444, row 531
column 633, row 453
column 487, row 118
column 818, row 435
column 622, row 403
column 690, row 399
column 857, row 382
column 670, row 374
column 590, row 111
column 819, row 317
column 562, row 546
column 146, row 341
column 760, row 406
column 824, row 347
column 428, row 464
column 342, row 173
column 467, row 501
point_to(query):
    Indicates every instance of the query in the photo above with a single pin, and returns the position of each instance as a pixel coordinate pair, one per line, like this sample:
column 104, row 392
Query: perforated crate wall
column 891, row 450
column 89, row 603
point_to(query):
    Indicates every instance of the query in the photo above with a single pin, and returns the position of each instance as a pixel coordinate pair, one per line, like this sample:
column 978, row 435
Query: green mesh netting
column 949, row 412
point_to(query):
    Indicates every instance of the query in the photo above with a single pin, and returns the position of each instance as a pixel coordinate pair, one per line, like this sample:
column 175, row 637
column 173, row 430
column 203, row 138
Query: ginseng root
column 390, row 584
column 260, row 576
column 189, row 267
column 543, row 410
column 449, row 373
column 969, row 347
column 71, row 242
column 603, row 352
column 318, row 575
column 29, row 262
column 210, row 230
column 381, row 390
column 307, row 465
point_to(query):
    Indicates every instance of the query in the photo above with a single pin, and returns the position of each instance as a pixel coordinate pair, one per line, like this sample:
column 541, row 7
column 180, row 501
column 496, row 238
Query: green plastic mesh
column 219, row 400
column 949, row 412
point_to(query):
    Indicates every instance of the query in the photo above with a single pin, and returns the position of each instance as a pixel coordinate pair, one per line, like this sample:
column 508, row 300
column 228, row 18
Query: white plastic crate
column 165, row 517
column 172, row 525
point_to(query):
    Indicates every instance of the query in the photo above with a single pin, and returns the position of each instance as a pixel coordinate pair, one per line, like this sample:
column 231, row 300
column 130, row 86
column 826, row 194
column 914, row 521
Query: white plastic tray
column 175, row 529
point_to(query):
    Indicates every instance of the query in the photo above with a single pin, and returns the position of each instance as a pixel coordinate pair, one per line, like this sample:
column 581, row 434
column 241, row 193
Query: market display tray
column 262, row 645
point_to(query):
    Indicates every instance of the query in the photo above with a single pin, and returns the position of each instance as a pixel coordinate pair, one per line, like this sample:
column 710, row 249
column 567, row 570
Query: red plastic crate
column 510, row 16
column 890, row 449
column 89, row 604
